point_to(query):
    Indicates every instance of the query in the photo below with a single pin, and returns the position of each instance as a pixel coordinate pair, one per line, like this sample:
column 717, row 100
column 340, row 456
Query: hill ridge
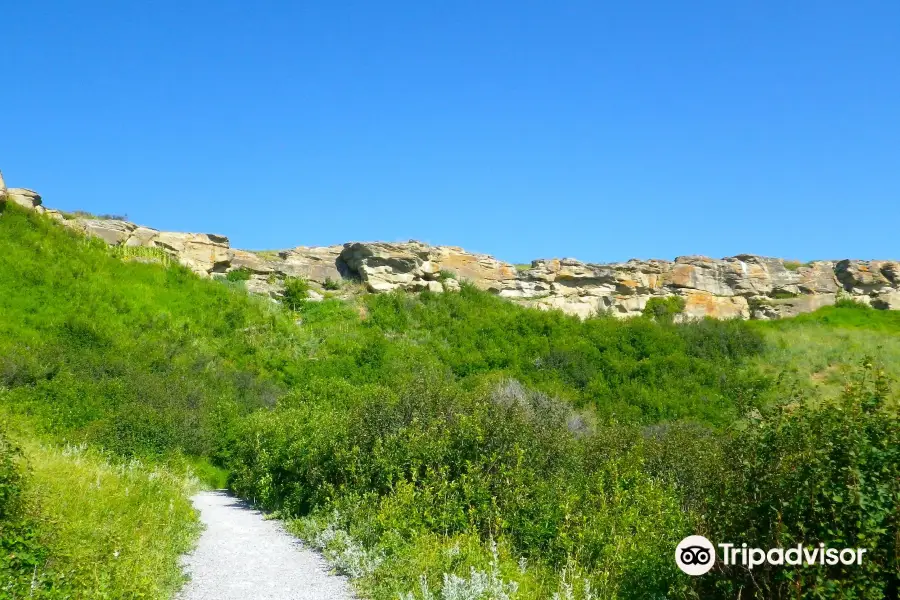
column 742, row 286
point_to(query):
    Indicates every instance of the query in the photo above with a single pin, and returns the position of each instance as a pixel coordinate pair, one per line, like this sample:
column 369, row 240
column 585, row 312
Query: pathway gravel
column 242, row 556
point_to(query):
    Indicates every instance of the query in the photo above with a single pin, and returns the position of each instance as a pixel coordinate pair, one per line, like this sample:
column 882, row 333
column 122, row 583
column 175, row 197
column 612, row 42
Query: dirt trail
column 242, row 556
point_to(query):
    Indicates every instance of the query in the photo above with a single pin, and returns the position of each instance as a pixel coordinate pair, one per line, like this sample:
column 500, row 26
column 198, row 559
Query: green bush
column 236, row 275
column 808, row 474
column 331, row 284
column 296, row 292
column 664, row 309
column 500, row 462
column 847, row 302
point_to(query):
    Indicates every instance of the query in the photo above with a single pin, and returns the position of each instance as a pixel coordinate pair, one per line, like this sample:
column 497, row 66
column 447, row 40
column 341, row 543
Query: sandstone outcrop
column 743, row 286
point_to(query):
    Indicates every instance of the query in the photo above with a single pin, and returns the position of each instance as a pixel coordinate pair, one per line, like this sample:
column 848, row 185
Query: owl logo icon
column 695, row 555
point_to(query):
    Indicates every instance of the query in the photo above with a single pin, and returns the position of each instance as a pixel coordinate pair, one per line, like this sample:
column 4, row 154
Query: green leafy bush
column 808, row 474
column 331, row 284
column 847, row 302
column 296, row 292
column 664, row 309
column 236, row 275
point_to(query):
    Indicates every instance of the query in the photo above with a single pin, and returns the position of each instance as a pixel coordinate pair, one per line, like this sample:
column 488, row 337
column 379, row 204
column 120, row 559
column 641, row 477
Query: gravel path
column 241, row 556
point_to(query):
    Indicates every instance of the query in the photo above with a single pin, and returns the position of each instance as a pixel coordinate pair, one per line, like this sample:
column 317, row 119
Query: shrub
column 235, row 275
column 296, row 292
column 848, row 302
column 664, row 310
column 805, row 474
column 331, row 284
column 792, row 265
column 780, row 294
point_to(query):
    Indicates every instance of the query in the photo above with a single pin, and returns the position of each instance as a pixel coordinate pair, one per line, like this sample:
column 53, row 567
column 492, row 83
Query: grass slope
column 433, row 446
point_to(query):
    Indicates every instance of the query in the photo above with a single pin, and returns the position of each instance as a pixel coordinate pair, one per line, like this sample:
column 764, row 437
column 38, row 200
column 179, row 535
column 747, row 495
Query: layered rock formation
column 743, row 286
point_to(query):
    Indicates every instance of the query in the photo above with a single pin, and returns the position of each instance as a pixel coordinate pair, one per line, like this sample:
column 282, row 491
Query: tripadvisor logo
column 696, row 555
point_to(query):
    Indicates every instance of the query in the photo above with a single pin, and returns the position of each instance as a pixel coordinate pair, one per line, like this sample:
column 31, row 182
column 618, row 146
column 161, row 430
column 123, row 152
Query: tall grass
column 95, row 526
column 435, row 445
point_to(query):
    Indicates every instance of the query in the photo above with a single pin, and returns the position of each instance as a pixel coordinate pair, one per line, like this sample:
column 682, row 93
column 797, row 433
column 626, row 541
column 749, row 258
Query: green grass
column 101, row 527
column 267, row 254
column 80, row 214
column 428, row 435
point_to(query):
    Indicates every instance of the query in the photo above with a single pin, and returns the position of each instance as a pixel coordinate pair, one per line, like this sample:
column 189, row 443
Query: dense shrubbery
column 296, row 292
column 808, row 474
column 442, row 444
column 664, row 309
column 140, row 359
column 495, row 462
column 238, row 275
column 21, row 551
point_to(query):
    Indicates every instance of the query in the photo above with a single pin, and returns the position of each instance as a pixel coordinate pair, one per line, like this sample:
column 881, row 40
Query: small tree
column 296, row 292
column 663, row 310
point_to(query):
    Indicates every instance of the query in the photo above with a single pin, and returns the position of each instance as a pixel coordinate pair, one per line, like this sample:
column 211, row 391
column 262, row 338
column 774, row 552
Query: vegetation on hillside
column 437, row 445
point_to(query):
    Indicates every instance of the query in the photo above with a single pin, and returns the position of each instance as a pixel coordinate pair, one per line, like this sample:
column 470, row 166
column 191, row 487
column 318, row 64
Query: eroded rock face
column 25, row 198
column 743, row 286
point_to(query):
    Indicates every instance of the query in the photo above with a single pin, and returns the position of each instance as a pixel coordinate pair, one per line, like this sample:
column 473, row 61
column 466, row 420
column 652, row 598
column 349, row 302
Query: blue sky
column 597, row 130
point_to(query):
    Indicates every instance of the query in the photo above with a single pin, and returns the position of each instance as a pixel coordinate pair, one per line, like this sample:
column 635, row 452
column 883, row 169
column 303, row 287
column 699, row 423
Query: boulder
column 861, row 277
column 203, row 253
column 23, row 197
column 316, row 264
column 887, row 300
column 111, row 231
column 141, row 236
column 385, row 267
column 251, row 261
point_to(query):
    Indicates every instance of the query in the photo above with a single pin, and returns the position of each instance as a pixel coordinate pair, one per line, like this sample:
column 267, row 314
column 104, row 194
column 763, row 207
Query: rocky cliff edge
column 743, row 286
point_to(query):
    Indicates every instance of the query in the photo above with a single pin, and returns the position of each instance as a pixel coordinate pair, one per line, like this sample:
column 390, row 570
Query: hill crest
column 742, row 286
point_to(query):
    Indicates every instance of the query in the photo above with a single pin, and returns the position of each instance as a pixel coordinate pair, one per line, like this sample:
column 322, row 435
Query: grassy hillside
column 435, row 446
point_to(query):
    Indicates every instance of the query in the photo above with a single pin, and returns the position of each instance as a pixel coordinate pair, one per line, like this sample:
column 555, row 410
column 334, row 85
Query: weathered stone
column 23, row 197
column 887, row 300
column 317, row 264
column 859, row 277
column 265, row 286
column 817, row 278
column 791, row 307
column 201, row 252
column 484, row 271
column 142, row 236
column 251, row 261
column 890, row 269
column 701, row 303
column 111, row 231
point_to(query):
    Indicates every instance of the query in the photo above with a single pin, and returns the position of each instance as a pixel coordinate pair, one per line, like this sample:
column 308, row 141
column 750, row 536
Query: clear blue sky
column 598, row 130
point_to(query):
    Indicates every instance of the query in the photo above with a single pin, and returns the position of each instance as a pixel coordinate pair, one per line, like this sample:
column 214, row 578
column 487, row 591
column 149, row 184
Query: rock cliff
column 743, row 286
